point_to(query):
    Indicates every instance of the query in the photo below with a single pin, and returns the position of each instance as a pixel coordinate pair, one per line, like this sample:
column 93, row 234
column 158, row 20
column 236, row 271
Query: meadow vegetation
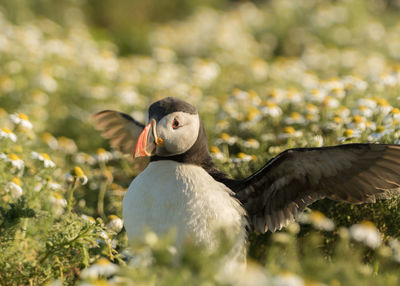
column 265, row 77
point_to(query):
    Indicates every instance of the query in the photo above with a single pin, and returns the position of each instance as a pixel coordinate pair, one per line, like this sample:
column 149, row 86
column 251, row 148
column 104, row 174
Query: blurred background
column 87, row 51
column 77, row 56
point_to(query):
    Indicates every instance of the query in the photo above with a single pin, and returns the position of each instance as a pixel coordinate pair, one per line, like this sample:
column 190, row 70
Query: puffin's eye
column 175, row 124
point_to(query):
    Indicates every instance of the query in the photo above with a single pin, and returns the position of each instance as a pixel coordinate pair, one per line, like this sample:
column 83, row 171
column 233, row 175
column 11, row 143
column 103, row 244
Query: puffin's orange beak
column 148, row 141
column 141, row 144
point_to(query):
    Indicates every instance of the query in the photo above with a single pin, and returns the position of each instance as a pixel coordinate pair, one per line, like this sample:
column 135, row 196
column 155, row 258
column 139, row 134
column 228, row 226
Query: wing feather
column 120, row 128
column 288, row 183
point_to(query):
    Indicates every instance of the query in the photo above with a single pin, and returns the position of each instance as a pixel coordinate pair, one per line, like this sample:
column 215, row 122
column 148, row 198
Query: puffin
column 182, row 190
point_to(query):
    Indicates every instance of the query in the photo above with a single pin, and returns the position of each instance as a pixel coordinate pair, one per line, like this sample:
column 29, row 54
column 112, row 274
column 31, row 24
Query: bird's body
column 182, row 189
column 184, row 198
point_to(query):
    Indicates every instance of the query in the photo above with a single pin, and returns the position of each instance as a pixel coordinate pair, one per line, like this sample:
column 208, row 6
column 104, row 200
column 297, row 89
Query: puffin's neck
column 197, row 154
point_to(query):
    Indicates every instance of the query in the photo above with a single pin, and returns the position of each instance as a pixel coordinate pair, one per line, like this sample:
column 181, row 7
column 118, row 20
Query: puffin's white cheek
column 181, row 142
column 178, row 141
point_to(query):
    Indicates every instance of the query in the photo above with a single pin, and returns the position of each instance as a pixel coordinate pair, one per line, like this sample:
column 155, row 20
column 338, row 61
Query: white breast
column 170, row 195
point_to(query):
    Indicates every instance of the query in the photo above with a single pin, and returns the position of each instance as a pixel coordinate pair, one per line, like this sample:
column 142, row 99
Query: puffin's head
column 172, row 128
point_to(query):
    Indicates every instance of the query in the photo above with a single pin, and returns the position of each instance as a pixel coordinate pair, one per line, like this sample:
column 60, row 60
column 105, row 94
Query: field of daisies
column 265, row 77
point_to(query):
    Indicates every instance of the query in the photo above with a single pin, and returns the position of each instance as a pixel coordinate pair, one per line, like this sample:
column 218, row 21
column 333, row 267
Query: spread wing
column 120, row 128
column 354, row 173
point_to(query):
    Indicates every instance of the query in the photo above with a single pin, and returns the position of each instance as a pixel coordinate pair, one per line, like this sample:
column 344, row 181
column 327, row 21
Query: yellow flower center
column 62, row 140
column 315, row 91
column 13, row 157
column 381, row 101
column 225, row 136
column 253, row 94
column 348, row 132
column 368, row 224
column 23, row 116
column 291, row 93
column 112, row 217
column 337, row 119
column 77, row 171
column 395, row 110
column 57, row 196
column 241, row 155
column 337, row 89
column 16, row 181
column 46, row 137
column 357, row 119
column 45, row 156
column 101, row 151
column 103, row 261
column 310, row 116
column 215, row 150
column 6, row 130
column 270, row 104
column 253, row 113
column 380, row 129
column 289, row 130
column 317, row 216
column 311, row 107
column 295, row 115
column 274, row 93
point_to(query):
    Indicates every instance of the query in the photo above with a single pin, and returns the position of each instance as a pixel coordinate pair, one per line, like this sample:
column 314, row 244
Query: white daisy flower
column 242, row 157
column 150, row 238
column 318, row 220
column 363, row 110
column 8, row 134
column 226, row 138
column 389, row 79
column 370, row 103
column 289, row 132
column 50, row 140
column 45, row 158
column 216, row 153
column 288, row 279
column 293, row 96
column 88, row 218
column 66, row 145
column 379, row 132
column 114, row 223
column 14, row 188
column 103, row 155
column 349, row 134
column 271, row 109
column 251, row 143
column 84, row 158
column 102, row 268
column 354, row 82
column 367, row 233
column 295, row 118
column 331, row 102
column 382, row 106
column 22, row 120
column 54, row 186
column 13, row 159
column 59, row 203
column 317, row 95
